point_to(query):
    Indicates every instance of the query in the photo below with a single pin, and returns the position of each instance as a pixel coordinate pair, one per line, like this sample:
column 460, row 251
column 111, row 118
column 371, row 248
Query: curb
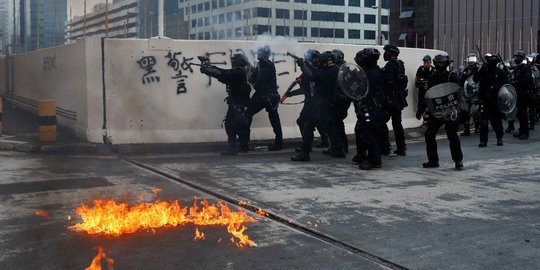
column 126, row 149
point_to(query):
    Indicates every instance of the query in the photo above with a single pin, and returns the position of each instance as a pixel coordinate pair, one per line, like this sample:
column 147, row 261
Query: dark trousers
column 490, row 112
column 367, row 142
column 399, row 133
column 236, row 126
column 256, row 104
column 522, row 114
column 301, row 121
column 320, row 118
column 451, row 128
column 339, row 112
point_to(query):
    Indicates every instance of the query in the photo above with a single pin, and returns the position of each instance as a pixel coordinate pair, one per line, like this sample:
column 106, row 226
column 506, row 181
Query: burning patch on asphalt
column 96, row 262
column 110, row 217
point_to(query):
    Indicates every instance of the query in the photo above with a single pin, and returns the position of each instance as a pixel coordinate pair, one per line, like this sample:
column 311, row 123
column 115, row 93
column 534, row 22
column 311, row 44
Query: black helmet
column 312, row 55
column 338, row 55
column 367, row 57
column 391, row 48
column 326, row 57
column 264, row 52
column 519, row 56
column 491, row 60
column 441, row 61
column 239, row 59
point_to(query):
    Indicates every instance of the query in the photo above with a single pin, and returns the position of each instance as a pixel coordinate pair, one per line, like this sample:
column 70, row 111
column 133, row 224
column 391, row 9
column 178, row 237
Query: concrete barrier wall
column 152, row 94
column 160, row 99
column 57, row 73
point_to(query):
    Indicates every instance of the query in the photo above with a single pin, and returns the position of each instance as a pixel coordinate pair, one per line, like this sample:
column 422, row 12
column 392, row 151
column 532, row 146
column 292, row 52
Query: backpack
column 403, row 81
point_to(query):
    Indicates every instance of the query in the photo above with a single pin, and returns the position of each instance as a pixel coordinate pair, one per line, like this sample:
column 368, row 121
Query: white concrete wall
column 153, row 112
column 57, row 73
column 140, row 112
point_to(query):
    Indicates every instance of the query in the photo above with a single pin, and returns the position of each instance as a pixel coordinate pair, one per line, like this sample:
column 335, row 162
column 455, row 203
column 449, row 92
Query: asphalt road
column 325, row 214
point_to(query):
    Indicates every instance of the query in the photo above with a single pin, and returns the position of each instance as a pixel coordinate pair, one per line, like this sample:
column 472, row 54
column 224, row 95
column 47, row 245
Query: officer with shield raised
column 491, row 78
column 469, row 71
column 443, row 106
column 523, row 82
column 370, row 113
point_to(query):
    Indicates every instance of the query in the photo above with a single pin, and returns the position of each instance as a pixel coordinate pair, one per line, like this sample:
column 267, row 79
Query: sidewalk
column 21, row 134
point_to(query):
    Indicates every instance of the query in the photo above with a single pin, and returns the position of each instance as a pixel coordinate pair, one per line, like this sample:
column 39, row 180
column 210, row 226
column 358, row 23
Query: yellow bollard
column 47, row 120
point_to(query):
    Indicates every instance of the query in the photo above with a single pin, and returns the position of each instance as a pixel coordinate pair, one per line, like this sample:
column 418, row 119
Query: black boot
column 459, row 165
column 430, row 164
column 510, row 127
column 366, row 166
column 301, row 157
column 482, row 144
column 499, row 142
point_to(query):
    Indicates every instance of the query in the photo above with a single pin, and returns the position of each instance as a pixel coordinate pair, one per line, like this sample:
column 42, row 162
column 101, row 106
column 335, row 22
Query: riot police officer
column 370, row 113
column 439, row 76
column 323, row 86
column 312, row 58
column 421, row 82
column 266, row 95
column 238, row 90
column 470, row 70
column 341, row 105
column 491, row 78
column 522, row 81
column 395, row 96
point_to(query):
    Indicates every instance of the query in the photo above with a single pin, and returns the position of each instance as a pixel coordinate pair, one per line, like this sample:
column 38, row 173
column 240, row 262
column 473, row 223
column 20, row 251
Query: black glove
column 419, row 115
column 300, row 62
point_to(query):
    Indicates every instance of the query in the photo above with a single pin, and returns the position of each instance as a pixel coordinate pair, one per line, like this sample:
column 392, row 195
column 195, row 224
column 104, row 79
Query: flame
column 156, row 191
column 198, row 235
column 112, row 218
column 43, row 213
column 262, row 213
column 243, row 203
column 96, row 262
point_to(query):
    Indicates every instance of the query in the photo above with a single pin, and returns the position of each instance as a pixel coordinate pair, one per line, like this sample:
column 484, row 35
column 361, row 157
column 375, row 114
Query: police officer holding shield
column 435, row 121
column 491, row 78
column 370, row 113
column 522, row 81
column 470, row 70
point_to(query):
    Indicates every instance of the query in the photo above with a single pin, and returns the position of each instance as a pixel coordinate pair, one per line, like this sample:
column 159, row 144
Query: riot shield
column 443, row 101
column 353, row 81
column 470, row 88
column 507, row 98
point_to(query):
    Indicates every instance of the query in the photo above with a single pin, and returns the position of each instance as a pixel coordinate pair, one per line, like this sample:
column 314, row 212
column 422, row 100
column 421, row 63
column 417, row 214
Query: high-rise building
column 411, row 23
column 44, row 21
column 340, row 21
column 126, row 19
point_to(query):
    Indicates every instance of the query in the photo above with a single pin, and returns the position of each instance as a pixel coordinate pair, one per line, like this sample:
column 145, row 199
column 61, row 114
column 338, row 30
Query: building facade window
column 354, row 3
column 327, row 16
column 300, row 32
column 327, row 32
column 369, row 3
column 298, row 15
column 282, row 13
column 354, row 18
column 300, row 1
column 368, row 34
column 329, row 2
column 354, row 34
column 282, row 30
column 262, row 12
column 384, row 19
column 369, row 19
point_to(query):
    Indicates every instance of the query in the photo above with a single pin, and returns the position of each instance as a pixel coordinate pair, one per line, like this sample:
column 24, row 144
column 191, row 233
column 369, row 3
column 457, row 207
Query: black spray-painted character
column 147, row 63
column 175, row 64
column 49, row 62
